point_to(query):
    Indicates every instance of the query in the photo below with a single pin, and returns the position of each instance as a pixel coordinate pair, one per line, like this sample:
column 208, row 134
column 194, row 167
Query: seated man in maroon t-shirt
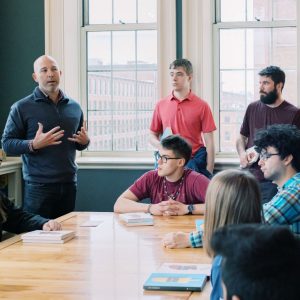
column 172, row 189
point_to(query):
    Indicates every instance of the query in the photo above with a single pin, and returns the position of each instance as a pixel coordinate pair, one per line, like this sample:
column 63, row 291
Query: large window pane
column 284, row 9
column 252, row 86
column 232, row 93
column 147, row 90
column 124, row 11
column 290, row 87
column 124, row 86
column 257, row 10
column 124, row 130
column 99, row 91
column 147, row 47
column 232, row 45
column 123, row 49
column 100, row 130
column 233, row 10
column 147, row 11
column 100, row 11
column 143, row 124
column 99, row 50
column 284, row 47
column 121, row 76
column 258, row 47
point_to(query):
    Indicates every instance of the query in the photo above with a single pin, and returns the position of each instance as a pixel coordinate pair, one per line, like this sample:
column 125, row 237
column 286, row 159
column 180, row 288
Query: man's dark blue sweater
column 50, row 164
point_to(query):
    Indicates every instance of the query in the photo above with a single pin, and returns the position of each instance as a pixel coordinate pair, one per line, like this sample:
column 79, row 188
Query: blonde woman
column 232, row 197
column 16, row 220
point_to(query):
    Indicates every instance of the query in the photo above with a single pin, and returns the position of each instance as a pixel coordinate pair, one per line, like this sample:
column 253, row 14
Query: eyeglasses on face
column 266, row 155
column 163, row 158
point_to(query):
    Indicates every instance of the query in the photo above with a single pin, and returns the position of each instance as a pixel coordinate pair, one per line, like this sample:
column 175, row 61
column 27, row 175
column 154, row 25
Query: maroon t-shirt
column 259, row 115
column 150, row 185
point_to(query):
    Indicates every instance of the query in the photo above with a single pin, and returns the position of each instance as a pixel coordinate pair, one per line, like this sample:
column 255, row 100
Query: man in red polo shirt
column 185, row 114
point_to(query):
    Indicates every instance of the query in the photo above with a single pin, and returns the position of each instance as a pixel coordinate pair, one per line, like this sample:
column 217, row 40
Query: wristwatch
column 191, row 208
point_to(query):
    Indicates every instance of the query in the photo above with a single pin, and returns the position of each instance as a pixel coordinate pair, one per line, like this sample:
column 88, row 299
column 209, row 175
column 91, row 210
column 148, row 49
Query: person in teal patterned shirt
column 279, row 148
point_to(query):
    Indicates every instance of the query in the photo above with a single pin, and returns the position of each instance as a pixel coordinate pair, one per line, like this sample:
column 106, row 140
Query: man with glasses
column 172, row 188
column 279, row 148
column 270, row 109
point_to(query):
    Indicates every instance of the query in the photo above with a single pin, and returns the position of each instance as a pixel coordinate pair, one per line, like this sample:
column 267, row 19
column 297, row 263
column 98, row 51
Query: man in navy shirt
column 46, row 128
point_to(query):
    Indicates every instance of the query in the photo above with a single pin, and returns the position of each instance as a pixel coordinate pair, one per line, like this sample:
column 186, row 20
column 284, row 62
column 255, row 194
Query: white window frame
column 64, row 40
column 201, row 46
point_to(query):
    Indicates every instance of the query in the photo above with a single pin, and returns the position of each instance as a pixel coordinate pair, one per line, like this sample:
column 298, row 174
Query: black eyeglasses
column 266, row 155
column 163, row 158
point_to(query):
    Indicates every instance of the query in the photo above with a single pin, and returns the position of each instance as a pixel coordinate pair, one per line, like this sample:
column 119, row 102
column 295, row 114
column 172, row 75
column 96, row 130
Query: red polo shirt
column 188, row 118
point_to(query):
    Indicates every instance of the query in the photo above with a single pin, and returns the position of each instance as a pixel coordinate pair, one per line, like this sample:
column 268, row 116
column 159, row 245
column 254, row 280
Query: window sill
column 138, row 163
column 118, row 162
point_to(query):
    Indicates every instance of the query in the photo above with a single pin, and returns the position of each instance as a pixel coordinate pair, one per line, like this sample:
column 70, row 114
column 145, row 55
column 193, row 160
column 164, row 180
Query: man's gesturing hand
column 81, row 137
column 50, row 138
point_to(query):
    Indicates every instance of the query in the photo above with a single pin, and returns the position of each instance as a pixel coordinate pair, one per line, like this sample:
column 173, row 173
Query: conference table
column 109, row 261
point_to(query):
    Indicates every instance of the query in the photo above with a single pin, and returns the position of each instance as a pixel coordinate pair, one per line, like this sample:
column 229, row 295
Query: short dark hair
column 179, row 146
column 184, row 63
column 259, row 261
column 275, row 73
column 284, row 137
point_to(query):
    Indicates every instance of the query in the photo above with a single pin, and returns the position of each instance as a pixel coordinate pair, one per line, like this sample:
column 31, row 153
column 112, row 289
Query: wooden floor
column 110, row 261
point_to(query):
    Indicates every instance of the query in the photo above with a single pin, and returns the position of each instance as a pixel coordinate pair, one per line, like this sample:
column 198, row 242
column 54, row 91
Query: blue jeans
column 198, row 163
column 50, row 200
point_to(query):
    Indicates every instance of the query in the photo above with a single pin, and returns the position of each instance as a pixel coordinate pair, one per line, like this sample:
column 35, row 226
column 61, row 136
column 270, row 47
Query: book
column 41, row 235
column 137, row 219
column 41, row 241
column 179, row 277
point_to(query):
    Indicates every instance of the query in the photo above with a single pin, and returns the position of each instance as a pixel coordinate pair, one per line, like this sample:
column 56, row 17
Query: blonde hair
column 232, row 197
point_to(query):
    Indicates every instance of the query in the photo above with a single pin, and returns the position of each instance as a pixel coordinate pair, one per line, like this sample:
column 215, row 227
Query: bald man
column 46, row 128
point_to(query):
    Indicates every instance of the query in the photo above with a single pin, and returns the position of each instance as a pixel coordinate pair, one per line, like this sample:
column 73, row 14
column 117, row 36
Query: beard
column 269, row 98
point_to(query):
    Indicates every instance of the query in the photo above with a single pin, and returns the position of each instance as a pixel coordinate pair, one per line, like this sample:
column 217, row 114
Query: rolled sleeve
column 196, row 239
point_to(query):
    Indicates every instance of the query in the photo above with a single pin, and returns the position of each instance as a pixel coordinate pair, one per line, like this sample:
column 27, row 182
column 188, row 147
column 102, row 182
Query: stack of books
column 179, row 277
column 55, row 237
column 137, row 219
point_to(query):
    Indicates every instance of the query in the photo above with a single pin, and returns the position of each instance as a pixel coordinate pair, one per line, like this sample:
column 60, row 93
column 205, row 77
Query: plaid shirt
column 196, row 239
column 284, row 208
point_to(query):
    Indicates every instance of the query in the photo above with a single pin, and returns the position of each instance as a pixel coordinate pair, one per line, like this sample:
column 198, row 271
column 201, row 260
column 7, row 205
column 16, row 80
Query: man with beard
column 270, row 109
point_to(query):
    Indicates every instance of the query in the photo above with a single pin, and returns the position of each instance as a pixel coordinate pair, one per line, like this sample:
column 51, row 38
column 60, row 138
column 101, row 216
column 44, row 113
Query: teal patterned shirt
column 284, row 208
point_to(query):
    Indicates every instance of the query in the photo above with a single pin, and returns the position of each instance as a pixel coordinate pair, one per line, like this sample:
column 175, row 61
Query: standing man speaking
column 47, row 128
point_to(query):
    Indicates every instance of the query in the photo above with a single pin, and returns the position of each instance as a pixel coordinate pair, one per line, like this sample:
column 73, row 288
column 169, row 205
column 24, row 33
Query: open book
column 179, row 277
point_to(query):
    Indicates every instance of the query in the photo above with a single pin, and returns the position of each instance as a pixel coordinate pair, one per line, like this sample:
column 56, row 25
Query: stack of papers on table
column 179, row 277
column 55, row 237
column 137, row 219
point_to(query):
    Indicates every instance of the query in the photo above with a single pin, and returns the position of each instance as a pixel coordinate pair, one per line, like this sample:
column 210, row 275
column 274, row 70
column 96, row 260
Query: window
column 250, row 35
column 121, row 58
